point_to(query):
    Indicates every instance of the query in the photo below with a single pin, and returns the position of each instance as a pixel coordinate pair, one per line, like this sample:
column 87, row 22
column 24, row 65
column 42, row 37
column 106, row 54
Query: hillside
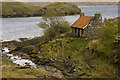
column 77, row 57
column 75, row 3
column 39, row 3
column 83, row 58
column 62, row 8
column 18, row 9
column 11, row 70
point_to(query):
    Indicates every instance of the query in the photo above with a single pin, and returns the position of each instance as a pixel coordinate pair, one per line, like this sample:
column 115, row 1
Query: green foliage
column 43, row 25
column 96, row 58
column 108, row 36
column 93, row 57
column 50, row 33
column 54, row 26
column 109, row 32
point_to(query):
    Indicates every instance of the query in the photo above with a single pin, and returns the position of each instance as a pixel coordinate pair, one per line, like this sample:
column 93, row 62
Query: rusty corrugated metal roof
column 82, row 22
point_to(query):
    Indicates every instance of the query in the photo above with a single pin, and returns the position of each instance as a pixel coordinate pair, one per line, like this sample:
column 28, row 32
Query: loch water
column 15, row 28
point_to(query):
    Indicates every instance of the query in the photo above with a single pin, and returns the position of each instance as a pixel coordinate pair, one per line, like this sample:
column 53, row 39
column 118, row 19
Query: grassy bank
column 77, row 57
column 18, row 9
column 83, row 58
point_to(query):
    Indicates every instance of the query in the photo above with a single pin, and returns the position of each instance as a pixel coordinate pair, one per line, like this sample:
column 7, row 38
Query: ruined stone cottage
column 87, row 26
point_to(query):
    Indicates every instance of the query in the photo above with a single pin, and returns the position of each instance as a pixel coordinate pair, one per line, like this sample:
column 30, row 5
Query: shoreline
column 64, row 14
column 13, row 16
column 21, row 39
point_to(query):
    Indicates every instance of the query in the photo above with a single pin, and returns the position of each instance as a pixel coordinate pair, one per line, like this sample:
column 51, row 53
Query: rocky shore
column 23, row 61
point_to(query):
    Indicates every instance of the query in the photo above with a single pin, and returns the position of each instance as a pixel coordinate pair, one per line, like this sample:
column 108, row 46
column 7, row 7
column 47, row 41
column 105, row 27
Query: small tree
column 54, row 25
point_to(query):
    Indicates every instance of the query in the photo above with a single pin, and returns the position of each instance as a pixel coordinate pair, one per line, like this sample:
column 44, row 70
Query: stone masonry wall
column 91, row 31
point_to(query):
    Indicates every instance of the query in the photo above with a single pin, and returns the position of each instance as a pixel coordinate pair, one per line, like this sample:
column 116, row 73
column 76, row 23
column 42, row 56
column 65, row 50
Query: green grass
column 61, row 8
column 11, row 70
column 25, row 73
column 101, row 52
column 19, row 9
column 98, row 58
column 7, row 62
column 81, row 43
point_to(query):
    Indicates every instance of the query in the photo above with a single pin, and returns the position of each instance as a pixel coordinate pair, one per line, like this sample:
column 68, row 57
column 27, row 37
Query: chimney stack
column 97, row 15
column 82, row 14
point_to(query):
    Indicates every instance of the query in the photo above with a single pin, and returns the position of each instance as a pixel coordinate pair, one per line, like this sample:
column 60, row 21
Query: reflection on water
column 14, row 28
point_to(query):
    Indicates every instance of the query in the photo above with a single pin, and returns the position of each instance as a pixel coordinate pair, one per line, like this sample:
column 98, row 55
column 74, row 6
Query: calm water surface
column 15, row 28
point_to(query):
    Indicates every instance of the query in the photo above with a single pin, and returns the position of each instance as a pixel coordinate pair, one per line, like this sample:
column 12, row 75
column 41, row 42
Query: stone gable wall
column 91, row 31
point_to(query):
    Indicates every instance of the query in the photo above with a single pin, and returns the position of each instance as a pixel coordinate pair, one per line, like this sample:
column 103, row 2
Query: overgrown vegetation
column 54, row 26
column 66, row 56
column 96, row 58
column 18, row 72
column 77, row 57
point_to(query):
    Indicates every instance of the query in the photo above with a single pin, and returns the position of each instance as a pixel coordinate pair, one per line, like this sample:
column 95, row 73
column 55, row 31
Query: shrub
column 108, row 32
column 54, row 26
column 50, row 33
